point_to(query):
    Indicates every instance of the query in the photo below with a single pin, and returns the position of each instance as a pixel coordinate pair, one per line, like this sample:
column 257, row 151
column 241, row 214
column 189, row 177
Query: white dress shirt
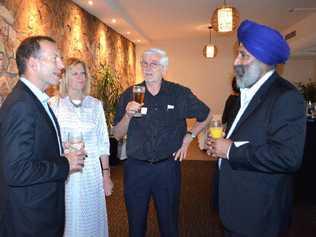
column 246, row 95
column 43, row 98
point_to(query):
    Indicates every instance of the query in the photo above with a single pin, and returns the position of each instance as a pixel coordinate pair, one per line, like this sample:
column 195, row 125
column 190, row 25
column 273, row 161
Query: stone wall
column 77, row 33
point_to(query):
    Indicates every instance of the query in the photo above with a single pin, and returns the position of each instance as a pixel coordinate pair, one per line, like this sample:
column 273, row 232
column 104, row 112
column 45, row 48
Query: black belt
column 153, row 162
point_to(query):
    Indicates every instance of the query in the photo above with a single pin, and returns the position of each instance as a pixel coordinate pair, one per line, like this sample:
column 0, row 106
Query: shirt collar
column 246, row 94
column 164, row 88
column 41, row 96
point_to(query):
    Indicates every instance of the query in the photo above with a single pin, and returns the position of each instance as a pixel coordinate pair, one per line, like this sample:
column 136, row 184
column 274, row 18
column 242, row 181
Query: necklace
column 76, row 103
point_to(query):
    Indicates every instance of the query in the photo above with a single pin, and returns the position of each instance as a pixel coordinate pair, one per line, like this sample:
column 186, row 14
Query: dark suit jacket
column 255, row 184
column 32, row 173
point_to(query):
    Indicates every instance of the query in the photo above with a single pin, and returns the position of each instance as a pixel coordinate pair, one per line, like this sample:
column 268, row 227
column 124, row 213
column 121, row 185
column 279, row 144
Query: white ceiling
column 157, row 20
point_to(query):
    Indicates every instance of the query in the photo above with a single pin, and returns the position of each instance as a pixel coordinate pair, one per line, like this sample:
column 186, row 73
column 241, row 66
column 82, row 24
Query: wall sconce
column 210, row 50
column 225, row 18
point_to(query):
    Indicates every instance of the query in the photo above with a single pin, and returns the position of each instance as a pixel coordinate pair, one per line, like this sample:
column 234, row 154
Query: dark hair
column 29, row 47
column 234, row 85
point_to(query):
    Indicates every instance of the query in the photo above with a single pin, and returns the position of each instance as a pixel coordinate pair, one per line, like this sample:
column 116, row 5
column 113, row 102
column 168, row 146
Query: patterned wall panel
column 77, row 33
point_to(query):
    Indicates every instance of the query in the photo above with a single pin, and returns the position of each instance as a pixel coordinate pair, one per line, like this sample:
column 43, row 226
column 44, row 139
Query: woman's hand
column 107, row 184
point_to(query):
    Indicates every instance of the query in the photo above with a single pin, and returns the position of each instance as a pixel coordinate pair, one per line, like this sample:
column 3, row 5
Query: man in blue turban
column 264, row 145
column 263, row 42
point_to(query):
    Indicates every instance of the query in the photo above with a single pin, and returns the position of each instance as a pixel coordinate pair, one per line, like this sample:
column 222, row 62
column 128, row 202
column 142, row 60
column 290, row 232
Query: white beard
column 247, row 75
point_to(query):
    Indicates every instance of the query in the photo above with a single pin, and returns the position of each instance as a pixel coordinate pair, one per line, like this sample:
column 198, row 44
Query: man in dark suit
column 32, row 169
column 264, row 145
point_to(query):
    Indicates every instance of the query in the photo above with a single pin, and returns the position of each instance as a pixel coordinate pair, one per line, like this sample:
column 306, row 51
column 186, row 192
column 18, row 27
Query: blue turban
column 264, row 43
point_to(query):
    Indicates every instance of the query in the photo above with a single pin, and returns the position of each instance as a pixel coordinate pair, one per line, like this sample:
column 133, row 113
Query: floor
column 197, row 219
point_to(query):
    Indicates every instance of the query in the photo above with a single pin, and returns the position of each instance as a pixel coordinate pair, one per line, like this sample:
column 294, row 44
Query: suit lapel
column 256, row 100
column 39, row 105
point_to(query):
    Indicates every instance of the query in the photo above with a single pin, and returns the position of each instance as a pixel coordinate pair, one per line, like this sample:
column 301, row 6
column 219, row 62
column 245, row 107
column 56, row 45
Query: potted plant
column 108, row 89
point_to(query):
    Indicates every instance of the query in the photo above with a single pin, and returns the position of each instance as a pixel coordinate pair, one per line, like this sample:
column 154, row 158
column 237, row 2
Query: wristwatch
column 191, row 134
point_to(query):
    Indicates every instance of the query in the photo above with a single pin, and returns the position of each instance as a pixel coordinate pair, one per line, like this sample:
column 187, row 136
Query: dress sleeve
column 102, row 131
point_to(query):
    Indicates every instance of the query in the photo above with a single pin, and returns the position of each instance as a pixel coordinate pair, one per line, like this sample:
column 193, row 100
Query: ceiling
column 159, row 20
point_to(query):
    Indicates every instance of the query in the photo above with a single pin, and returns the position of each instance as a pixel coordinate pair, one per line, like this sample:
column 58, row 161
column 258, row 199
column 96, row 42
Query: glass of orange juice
column 216, row 129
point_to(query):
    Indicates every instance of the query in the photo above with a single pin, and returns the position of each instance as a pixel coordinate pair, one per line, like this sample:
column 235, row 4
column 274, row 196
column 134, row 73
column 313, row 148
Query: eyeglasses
column 153, row 65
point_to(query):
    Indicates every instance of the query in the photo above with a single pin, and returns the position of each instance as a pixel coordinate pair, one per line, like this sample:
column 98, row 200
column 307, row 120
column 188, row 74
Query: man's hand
column 218, row 147
column 120, row 129
column 131, row 108
column 183, row 151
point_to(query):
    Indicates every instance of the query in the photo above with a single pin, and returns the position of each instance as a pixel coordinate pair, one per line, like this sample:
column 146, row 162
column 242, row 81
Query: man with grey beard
column 263, row 148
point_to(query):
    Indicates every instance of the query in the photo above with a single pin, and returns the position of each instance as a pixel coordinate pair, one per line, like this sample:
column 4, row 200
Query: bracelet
column 107, row 173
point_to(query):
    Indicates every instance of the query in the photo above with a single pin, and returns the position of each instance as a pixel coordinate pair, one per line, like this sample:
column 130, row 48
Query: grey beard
column 248, row 75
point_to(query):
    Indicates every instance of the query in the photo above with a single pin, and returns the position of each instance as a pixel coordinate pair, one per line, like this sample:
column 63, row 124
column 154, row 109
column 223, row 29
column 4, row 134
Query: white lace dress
column 84, row 196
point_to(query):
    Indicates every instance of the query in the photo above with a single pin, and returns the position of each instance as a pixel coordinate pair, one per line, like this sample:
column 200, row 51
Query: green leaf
column 107, row 89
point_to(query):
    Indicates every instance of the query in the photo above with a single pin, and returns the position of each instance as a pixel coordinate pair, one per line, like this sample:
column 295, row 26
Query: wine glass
column 75, row 141
column 309, row 108
column 314, row 110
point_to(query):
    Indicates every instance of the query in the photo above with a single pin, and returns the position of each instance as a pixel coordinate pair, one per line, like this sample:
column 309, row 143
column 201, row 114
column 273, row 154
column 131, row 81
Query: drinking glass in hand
column 314, row 110
column 75, row 140
column 309, row 109
column 216, row 130
column 138, row 96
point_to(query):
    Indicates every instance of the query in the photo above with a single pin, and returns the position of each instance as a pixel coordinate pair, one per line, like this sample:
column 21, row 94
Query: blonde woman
column 85, row 191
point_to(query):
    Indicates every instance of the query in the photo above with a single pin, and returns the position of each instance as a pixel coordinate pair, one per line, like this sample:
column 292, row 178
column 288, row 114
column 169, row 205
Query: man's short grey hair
column 163, row 55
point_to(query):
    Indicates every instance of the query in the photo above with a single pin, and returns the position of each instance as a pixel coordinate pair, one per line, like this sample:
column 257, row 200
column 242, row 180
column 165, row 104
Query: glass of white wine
column 75, row 140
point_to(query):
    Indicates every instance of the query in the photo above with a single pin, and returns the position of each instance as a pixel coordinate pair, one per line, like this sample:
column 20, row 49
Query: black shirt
column 160, row 132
